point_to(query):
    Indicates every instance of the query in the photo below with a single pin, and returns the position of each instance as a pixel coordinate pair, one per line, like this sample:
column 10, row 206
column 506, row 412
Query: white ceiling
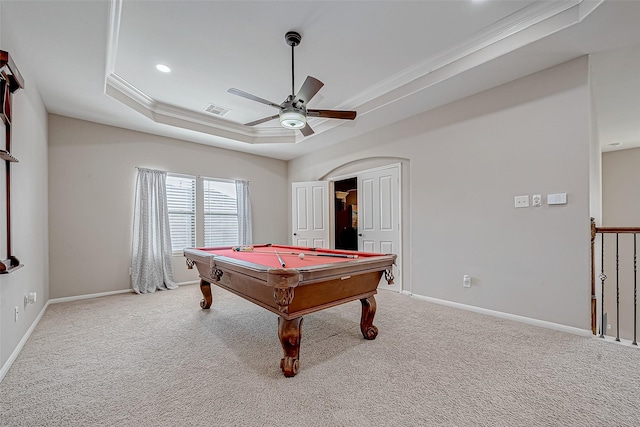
column 388, row 60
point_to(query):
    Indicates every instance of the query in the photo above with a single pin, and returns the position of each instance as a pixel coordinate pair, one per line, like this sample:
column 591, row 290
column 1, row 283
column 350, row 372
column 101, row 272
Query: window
column 220, row 213
column 202, row 212
column 181, row 204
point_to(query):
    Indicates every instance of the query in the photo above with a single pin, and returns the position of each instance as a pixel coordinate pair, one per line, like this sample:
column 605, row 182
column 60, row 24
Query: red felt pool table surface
column 267, row 255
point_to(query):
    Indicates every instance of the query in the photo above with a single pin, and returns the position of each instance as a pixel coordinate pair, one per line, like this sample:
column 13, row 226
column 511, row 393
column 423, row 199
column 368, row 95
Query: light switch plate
column 557, row 199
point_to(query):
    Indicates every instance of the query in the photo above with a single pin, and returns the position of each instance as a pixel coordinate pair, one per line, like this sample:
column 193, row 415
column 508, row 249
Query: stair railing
column 617, row 231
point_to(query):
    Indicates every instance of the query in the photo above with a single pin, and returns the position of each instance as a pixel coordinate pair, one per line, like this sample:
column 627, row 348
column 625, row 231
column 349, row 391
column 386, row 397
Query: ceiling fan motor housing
column 293, row 105
column 292, row 38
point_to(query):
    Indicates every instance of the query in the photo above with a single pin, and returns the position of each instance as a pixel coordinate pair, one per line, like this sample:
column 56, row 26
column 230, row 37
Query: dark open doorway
column 346, row 214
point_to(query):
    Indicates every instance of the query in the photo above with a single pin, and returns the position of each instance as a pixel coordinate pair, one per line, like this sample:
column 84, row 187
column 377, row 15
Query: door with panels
column 379, row 215
column 310, row 215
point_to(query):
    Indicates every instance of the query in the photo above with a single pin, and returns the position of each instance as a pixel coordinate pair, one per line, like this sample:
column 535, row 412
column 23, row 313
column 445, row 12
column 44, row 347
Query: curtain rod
column 194, row 176
column 222, row 179
column 149, row 169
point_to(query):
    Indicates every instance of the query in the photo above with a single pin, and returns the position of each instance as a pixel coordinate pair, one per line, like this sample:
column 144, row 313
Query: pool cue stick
column 331, row 255
column 313, row 253
column 280, row 259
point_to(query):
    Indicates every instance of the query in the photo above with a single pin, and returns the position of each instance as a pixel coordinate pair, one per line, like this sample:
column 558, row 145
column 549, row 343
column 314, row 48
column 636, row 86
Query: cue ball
column 301, row 256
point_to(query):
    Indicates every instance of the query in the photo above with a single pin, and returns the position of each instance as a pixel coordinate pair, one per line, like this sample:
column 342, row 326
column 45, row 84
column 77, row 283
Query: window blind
column 181, row 205
column 220, row 213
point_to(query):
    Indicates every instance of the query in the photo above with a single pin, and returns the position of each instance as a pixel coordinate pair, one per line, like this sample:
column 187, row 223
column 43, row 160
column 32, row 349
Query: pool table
column 279, row 279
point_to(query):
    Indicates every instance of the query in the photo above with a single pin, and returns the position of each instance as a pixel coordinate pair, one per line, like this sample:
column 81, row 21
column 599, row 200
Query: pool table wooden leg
column 290, row 334
column 369, row 331
column 205, row 288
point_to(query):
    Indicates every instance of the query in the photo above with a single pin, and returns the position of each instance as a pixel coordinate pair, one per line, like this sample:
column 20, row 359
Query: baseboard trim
column 508, row 316
column 88, row 296
column 192, row 282
column 623, row 342
column 5, row 368
column 104, row 294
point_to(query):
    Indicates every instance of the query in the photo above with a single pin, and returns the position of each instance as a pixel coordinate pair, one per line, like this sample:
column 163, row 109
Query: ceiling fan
column 293, row 111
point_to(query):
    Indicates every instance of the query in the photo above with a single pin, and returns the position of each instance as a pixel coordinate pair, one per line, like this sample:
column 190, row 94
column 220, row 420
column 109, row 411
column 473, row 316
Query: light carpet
column 160, row 360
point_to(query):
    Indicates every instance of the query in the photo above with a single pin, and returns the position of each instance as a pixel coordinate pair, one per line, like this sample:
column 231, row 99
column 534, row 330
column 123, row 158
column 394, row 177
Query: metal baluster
column 603, row 277
column 635, row 290
column 617, row 290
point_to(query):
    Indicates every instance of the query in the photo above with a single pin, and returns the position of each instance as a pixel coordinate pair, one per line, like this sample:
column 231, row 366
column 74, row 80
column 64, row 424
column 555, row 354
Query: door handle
column 360, row 234
column 295, row 234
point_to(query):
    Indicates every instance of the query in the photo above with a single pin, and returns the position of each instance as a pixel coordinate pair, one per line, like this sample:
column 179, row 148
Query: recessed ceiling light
column 615, row 144
column 163, row 68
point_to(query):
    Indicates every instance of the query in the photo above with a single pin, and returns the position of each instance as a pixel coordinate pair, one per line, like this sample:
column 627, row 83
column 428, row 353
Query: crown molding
column 113, row 31
column 525, row 27
column 121, row 90
column 496, row 35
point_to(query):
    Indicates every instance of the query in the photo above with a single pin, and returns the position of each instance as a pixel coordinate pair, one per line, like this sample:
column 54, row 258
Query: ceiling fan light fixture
column 292, row 120
column 293, row 111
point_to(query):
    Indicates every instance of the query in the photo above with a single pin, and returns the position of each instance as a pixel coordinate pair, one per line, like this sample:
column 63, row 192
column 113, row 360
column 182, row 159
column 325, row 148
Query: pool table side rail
column 308, row 274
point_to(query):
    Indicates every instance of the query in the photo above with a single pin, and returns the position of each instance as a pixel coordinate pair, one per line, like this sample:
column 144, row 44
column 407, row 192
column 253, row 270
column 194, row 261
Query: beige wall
column 620, row 188
column 29, row 210
column 467, row 162
column 91, row 181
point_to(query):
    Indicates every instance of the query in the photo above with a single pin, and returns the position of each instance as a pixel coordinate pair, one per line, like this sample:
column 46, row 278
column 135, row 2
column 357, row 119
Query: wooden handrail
column 617, row 229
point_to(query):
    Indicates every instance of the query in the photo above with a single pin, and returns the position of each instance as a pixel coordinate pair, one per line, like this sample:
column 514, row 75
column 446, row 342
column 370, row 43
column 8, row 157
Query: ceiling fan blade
column 266, row 119
column 252, row 97
column 309, row 88
column 306, row 131
column 332, row 114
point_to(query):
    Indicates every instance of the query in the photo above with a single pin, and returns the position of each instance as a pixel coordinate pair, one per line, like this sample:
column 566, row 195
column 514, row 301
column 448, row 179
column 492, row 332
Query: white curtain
column 244, row 213
column 151, row 248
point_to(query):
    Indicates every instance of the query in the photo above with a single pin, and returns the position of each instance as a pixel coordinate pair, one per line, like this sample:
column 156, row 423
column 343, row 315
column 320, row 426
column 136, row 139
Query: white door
column 310, row 215
column 379, row 216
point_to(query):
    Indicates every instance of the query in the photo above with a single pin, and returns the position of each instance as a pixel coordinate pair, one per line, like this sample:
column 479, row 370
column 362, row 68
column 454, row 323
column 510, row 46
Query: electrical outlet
column 521, row 201
column 536, row 199
column 466, row 281
column 30, row 298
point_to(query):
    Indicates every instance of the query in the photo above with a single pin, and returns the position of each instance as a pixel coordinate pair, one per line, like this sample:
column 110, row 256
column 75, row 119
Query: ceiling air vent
column 217, row 110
